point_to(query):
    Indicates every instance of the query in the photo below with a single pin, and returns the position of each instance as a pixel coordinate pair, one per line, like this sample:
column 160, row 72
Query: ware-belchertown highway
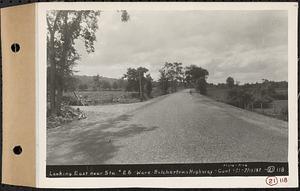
column 182, row 127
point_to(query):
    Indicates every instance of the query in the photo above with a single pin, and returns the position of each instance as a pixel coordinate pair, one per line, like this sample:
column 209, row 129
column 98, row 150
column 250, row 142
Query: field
column 101, row 97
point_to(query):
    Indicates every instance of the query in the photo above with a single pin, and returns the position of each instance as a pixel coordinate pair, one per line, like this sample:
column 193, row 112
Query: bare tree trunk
column 52, row 74
column 62, row 62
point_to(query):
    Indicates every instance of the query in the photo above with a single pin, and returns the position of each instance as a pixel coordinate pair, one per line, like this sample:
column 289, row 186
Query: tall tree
column 131, row 77
column 174, row 74
column 136, row 80
column 197, row 76
column 148, row 85
column 230, row 82
column 163, row 81
column 64, row 27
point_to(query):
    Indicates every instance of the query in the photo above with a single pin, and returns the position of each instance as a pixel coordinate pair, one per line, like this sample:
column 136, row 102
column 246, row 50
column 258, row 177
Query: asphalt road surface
column 176, row 128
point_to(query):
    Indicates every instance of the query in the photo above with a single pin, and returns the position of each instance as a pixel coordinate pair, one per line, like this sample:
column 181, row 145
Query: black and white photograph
column 129, row 87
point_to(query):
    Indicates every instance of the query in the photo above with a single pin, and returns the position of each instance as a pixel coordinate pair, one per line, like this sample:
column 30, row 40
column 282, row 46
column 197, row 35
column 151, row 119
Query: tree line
column 256, row 95
column 172, row 76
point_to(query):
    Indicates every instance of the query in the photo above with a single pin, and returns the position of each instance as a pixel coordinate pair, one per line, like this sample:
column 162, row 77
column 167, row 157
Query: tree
column 263, row 93
column 83, row 87
column 230, row 82
column 171, row 76
column 174, row 74
column 64, row 27
column 106, row 85
column 115, row 85
column 163, row 81
column 201, row 86
column 71, row 83
column 240, row 97
column 132, row 80
column 122, row 84
column 96, row 82
column 149, row 81
column 136, row 80
column 196, row 76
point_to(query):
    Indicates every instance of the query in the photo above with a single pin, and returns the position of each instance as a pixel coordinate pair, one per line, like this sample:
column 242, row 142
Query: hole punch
column 17, row 150
column 15, row 47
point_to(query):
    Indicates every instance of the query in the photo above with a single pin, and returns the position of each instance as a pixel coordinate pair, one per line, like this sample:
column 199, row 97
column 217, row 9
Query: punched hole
column 17, row 150
column 15, row 47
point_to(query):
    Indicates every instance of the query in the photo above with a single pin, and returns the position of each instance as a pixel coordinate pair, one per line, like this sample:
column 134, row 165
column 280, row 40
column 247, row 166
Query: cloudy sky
column 247, row 45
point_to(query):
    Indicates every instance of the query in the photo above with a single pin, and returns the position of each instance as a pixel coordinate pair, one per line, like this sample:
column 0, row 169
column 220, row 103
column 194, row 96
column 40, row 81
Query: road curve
column 176, row 128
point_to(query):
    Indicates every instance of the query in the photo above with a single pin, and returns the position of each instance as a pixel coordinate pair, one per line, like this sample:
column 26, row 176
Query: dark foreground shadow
column 93, row 143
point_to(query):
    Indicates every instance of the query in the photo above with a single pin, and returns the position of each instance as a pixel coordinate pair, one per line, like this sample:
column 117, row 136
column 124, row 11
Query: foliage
column 163, row 81
column 149, row 87
column 106, row 85
column 83, row 87
column 230, row 82
column 96, row 82
column 240, row 97
column 125, row 16
column 259, row 95
column 136, row 81
column 171, row 76
column 115, row 85
column 133, row 77
column 196, row 76
column 71, row 83
column 201, row 86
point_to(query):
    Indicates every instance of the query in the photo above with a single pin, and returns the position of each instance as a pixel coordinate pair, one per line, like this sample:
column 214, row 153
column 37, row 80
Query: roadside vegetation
column 268, row 97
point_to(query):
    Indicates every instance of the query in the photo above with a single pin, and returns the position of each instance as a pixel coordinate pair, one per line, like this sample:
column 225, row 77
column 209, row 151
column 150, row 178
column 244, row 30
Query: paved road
column 177, row 128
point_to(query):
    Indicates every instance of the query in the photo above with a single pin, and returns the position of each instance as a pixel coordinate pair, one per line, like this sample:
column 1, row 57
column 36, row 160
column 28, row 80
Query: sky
column 246, row 45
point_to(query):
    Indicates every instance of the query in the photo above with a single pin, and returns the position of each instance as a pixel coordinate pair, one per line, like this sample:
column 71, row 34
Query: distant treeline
column 94, row 83
column 252, row 94
column 172, row 76
column 280, row 84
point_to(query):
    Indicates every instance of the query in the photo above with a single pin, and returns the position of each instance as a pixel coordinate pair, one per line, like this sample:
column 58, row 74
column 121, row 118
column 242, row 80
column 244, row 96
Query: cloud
column 248, row 45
